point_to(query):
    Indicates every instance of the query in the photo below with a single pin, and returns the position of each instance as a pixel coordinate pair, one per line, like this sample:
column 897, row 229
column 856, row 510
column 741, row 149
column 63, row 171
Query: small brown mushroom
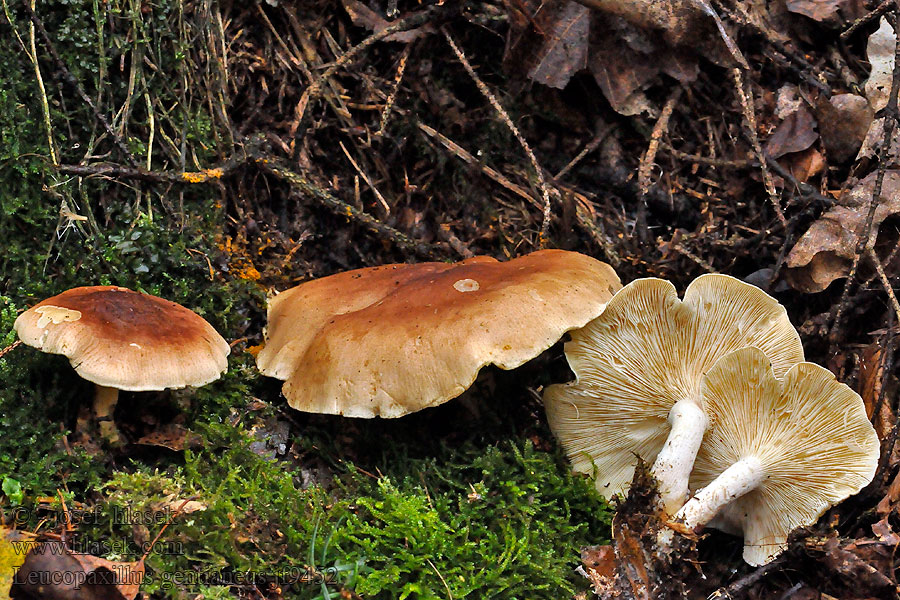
column 391, row 340
column 125, row 340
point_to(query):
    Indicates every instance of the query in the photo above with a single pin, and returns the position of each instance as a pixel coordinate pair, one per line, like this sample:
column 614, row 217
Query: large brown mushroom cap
column 122, row 339
column 390, row 341
column 297, row 315
column 809, row 434
column 647, row 351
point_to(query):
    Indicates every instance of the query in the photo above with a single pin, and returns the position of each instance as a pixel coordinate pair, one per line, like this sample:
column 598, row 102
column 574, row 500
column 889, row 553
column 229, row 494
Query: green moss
column 504, row 522
column 485, row 520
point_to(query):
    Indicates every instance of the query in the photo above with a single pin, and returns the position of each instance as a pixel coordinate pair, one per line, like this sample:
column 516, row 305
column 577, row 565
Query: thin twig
column 10, row 348
column 315, row 90
column 483, row 88
column 592, row 145
column 662, row 125
column 367, row 179
column 253, row 153
column 885, row 282
column 867, row 18
column 395, row 87
column 862, row 241
column 738, row 588
column 70, row 79
column 711, row 162
column 301, row 183
column 45, row 105
column 470, row 159
column 750, row 117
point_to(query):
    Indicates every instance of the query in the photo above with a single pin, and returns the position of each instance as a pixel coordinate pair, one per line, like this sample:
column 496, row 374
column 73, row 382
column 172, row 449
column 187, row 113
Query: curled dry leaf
column 825, row 252
column 880, row 52
column 831, row 12
column 173, row 436
column 796, row 133
column 552, row 40
column 364, row 16
column 871, row 378
column 598, row 564
column 873, row 141
column 564, row 52
column 53, row 572
column 843, row 122
column 805, row 165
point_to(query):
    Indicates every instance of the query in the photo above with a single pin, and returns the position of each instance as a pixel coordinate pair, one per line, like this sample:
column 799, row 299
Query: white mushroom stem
column 676, row 459
column 105, row 399
column 743, row 476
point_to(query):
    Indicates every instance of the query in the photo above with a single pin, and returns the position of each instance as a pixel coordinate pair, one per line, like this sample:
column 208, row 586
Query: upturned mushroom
column 391, row 340
column 125, row 340
column 638, row 369
column 778, row 453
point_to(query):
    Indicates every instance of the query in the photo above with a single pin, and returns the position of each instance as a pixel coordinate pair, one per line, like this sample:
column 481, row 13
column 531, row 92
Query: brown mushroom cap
column 393, row 340
column 647, row 351
column 119, row 338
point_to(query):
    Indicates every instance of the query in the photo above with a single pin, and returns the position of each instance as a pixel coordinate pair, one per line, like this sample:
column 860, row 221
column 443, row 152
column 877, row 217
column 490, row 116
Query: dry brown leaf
column 173, row 505
column 863, row 563
column 843, row 121
column 888, row 504
column 817, row 10
column 805, row 165
column 172, row 436
column 564, row 51
column 551, row 40
column 52, row 572
column 363, row 16
column 625, row 61
column 680, row 21
column 880, row 52
column 599, row 565
column 825, row 252
column 872, row 143
column 795, row 133
column 871, row 374
column 548, row 40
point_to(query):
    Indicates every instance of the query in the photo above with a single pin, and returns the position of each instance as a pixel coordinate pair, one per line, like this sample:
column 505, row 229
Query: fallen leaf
column 871, row 375
column 172, row 436
column 14, row 547
column 843, row 120
column 172, row 505
column 52, row 572
column 825, row 252
column 625, row 61
column 888, row 503
column 795, row 133
column 817, row 10
column 552, row 40
column 883, row 531
column 363, row 16
column 565, row 48
column 862, row 564
column 599, row 563
column 805, row 165
column 872, row 143
column 880, row 52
